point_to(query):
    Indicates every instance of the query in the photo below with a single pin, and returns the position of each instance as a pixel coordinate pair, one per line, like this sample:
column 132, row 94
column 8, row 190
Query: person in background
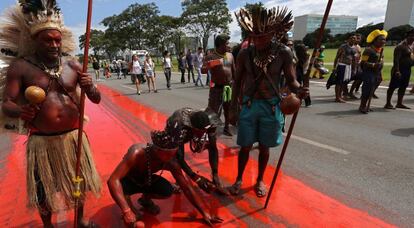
column 344, row 64
column 358, row 71
column 198, row 64
column 124, row 67
column 150, row 73
column 401, row 70
column 319, row 62
column 135, row 70
column 167, row 66
column 372, row 62
column 181, row 65
column 190, row 65
column 95, row 65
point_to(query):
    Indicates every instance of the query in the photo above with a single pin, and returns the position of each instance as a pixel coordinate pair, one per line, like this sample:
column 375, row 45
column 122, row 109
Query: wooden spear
column 77, row 179
column 305, row 84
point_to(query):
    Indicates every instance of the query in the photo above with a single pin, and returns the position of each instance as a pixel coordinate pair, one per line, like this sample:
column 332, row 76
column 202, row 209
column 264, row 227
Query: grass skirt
column 53, row 160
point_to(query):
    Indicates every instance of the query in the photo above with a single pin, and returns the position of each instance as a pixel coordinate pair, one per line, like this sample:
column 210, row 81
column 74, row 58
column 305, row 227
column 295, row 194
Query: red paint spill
column 120, row 122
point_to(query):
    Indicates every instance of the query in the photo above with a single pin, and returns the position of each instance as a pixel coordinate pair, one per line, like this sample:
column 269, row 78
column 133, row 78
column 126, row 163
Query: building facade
column 399, row 12
column 338, row 24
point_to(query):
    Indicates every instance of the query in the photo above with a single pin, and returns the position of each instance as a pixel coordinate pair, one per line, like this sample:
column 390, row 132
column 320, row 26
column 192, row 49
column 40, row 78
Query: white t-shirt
column 136, row 67
column 167, row 62
column 199, row 60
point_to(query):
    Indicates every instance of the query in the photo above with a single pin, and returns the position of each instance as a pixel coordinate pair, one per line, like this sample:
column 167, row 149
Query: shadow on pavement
column 403, row 132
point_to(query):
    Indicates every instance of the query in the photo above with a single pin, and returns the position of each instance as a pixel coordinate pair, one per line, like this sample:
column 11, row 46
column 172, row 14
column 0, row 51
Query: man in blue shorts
column 258, row 73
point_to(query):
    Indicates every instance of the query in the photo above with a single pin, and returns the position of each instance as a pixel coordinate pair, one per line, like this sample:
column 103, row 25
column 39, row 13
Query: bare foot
column 389, row 106
column 235, row 188
column 402, row 106
column 219, row 187
column 340, row 100
column 260, row 189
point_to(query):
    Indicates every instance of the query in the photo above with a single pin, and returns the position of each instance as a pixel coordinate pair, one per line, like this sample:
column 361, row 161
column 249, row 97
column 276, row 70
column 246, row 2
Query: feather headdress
column 260, row 21
column 18, row 24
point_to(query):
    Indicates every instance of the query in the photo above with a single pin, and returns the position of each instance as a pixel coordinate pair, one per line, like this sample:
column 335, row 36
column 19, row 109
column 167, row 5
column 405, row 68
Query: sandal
column 260, row 189
column 149, row 206
column 235, row 188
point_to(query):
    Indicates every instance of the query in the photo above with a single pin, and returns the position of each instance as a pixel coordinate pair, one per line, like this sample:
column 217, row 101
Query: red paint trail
column 292, row 200
column 293, row 203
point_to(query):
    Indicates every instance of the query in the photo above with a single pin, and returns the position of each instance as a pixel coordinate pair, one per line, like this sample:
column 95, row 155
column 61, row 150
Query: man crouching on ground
column 136, row 174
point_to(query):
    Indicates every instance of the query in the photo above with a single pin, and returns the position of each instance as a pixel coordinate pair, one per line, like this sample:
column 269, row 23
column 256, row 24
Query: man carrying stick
column 371, row 62
column 53, row 121
column 258, row 73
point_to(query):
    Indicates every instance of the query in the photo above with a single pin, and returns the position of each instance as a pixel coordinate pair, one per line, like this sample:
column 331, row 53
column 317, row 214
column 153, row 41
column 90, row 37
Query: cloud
column 367, row 13
column 79, row 30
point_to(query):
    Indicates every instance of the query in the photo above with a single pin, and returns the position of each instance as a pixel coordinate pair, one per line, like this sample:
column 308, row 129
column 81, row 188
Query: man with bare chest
column 221, row 66
column 258, row 74
column 401, row 71
column 136, row 174
column 52, row 124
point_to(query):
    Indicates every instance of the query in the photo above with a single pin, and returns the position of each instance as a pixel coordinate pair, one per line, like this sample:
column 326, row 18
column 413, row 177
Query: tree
column 96, row 41
column 205, row 17
column 167, row 26
column 133, row 28
column 310, row 38
column 398, row 33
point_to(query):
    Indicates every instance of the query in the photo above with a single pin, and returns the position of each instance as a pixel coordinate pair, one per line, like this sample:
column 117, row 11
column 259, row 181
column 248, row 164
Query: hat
column 260, row 21
column 374, row 34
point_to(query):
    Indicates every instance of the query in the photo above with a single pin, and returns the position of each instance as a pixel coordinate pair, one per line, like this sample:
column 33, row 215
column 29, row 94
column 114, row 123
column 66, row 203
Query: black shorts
column 160, row 186
column 139, row 77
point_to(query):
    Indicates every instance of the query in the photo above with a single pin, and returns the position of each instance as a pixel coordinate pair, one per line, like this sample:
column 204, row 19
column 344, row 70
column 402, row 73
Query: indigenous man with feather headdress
column 38, row 44
column 256, row 87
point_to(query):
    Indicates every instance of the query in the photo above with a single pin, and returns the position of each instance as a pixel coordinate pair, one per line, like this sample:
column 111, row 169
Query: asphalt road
column 363, row 161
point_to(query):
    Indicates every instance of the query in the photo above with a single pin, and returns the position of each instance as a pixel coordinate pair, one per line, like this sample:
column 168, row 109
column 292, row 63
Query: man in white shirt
column 198, row 64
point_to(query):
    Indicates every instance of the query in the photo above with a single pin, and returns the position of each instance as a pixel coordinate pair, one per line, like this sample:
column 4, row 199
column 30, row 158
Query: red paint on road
column 120, row 122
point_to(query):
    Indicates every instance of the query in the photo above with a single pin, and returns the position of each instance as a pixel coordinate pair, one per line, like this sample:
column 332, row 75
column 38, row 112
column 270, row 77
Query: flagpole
column 305, row 84
column 77, row 180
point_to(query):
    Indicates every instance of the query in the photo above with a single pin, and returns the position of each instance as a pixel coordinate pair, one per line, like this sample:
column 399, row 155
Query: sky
column 75, row 10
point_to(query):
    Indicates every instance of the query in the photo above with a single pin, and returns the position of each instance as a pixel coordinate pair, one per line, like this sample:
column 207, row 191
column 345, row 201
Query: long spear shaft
column 305, row 84
column 77, row 180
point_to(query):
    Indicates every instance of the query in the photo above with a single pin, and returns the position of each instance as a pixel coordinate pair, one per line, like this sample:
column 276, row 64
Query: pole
column 305, row 84
column 77, row 179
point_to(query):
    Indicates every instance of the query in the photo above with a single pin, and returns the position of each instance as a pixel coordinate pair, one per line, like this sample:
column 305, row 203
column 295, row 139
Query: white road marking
column 135, row 89
column 320, row 145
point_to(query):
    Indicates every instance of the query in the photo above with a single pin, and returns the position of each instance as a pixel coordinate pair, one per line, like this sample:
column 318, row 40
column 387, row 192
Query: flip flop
column 260, row 189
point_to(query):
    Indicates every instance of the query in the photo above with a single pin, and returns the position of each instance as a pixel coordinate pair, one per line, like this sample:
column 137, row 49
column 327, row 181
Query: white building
column 399, row 12
column 338, row 24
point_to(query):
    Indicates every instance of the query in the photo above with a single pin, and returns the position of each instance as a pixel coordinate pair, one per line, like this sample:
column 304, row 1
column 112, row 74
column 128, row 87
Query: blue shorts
column 258, row 123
